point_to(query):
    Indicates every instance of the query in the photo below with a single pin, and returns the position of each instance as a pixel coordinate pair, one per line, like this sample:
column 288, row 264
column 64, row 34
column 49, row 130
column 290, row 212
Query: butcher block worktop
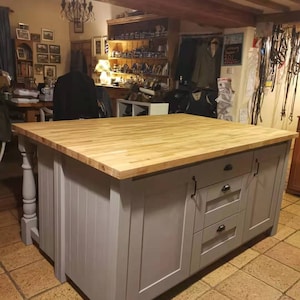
column 135, row 146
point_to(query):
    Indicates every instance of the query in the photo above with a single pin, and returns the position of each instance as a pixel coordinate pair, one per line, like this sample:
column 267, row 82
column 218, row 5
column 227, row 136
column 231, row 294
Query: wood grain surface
column 133, row 146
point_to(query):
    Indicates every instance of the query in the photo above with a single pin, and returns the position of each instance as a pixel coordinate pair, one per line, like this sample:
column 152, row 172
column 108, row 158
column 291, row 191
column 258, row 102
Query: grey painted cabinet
column 264, row 189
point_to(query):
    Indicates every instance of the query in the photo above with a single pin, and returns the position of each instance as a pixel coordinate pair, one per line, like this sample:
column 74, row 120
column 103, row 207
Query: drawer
column 220, row 169
column 216, row 241
column 219, row 201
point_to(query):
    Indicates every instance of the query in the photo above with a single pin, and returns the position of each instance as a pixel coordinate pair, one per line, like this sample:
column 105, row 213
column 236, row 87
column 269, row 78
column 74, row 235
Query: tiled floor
column 268, row 270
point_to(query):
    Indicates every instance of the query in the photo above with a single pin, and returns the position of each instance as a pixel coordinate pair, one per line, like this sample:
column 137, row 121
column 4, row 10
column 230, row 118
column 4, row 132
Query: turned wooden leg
column 29, row 219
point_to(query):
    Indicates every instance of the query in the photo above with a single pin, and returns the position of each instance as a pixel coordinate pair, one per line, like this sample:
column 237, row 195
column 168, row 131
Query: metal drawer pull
column 221, row 228
column 195, row 187
column 228, row 167
column 226, row 188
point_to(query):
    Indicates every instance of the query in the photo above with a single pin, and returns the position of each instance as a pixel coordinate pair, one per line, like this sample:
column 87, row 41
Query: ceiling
column 220, row 13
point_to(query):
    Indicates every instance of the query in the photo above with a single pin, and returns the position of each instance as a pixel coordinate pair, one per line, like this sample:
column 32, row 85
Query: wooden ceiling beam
column 240, row 7
column 206, row 13
column 280, row 18
column 270, row 4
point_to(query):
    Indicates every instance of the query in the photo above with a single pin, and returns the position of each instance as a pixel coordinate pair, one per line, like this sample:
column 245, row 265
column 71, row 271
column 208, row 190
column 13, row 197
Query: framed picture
column 97, row 45
column 22, row 34
column 47, row 35
column 42, row 58
column 54, row 49
column 38, row 69
column 78, row 27
column 50, row 71
column 54, row 59
column 23, row 26
column 42, row 48
column 35, row 37
column 21, row 54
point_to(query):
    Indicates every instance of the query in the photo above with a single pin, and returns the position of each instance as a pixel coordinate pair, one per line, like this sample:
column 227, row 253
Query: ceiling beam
column 281, row 18
column 206, row 13
column 240, row 7
column 270, row 4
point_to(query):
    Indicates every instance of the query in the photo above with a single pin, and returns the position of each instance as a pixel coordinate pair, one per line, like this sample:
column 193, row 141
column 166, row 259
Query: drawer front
column 221, row 238
column 223, row 168
column 219, row 201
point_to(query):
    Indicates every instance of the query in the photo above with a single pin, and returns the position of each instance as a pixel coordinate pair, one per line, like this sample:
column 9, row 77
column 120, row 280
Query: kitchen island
column 130, row 207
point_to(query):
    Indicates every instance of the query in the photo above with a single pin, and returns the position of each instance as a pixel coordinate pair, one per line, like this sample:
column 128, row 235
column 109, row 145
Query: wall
column 45, row 14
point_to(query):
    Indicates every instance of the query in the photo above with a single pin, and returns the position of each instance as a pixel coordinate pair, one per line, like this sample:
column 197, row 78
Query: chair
column 74, row 97
column 46, row 114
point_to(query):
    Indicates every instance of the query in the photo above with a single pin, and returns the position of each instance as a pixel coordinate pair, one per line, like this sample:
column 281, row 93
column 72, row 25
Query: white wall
column 40, row 14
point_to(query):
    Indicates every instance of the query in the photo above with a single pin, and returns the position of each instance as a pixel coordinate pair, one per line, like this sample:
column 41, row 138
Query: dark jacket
column 74, row 97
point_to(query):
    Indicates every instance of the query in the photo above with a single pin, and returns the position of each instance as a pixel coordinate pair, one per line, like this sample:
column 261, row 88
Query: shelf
column 139, row 58
column 139, row 74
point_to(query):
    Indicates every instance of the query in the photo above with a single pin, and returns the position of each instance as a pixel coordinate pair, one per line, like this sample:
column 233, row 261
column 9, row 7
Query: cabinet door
column 264, row 189
column 160, row 235
column 293, row 186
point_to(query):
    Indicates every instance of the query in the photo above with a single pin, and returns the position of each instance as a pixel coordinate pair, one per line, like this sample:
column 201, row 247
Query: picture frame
column 54, row 49
column 50, row 71
column 38, row 69
column 97, row 41
column 42, row 48
column 47, row 35
column 22, row 34
column 55, row 59
column 35, row 37
column 21, row 53
column 78, row 27
column 42, row 58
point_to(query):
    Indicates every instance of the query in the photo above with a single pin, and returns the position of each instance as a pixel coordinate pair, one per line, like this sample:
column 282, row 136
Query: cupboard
column 293, row 186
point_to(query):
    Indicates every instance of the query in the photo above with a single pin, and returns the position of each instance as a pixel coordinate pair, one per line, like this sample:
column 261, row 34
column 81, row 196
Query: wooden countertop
column 132, row 146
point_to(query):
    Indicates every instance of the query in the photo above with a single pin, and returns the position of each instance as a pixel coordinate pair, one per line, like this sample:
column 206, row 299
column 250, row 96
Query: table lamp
column 103, row 67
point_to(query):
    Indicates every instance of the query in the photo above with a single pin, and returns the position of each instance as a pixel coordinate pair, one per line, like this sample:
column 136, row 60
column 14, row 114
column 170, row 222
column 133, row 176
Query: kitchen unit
column 293, row 185
column 133, row 206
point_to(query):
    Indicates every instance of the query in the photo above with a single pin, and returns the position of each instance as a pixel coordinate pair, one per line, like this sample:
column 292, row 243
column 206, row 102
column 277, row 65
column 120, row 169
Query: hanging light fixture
column 77, row 11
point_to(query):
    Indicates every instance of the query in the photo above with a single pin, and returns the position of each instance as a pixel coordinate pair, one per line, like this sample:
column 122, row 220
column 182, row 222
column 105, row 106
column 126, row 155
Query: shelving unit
column 143, row 46
column 23, row 60
column 137, row 108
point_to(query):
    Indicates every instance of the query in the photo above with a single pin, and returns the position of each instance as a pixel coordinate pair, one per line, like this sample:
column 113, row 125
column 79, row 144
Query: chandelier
column 77, row 11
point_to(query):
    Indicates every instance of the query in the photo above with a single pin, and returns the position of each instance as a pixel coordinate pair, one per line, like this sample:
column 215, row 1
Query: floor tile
column 245, row 257
column 213, row 295
column 286, row 254
column 290, row 197
column 272, row 272
column 289, row 219
column 64, row 291
column 283, row 232
column 243, row 286
column 17, row 213
column 1, row 270
column 294, row 239
column 8, row 290
column 35, row 278
column 285, row 297
column 293, row 209
column 7, row 218
column 9, row 234
column 193, row 292
column 221, row 273
column 294, row 292
column 285, row 203
column 18, row 255
column 265, row 244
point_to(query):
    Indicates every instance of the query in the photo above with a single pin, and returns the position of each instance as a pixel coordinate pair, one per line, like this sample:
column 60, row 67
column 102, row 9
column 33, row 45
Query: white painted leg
column 29, row 219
